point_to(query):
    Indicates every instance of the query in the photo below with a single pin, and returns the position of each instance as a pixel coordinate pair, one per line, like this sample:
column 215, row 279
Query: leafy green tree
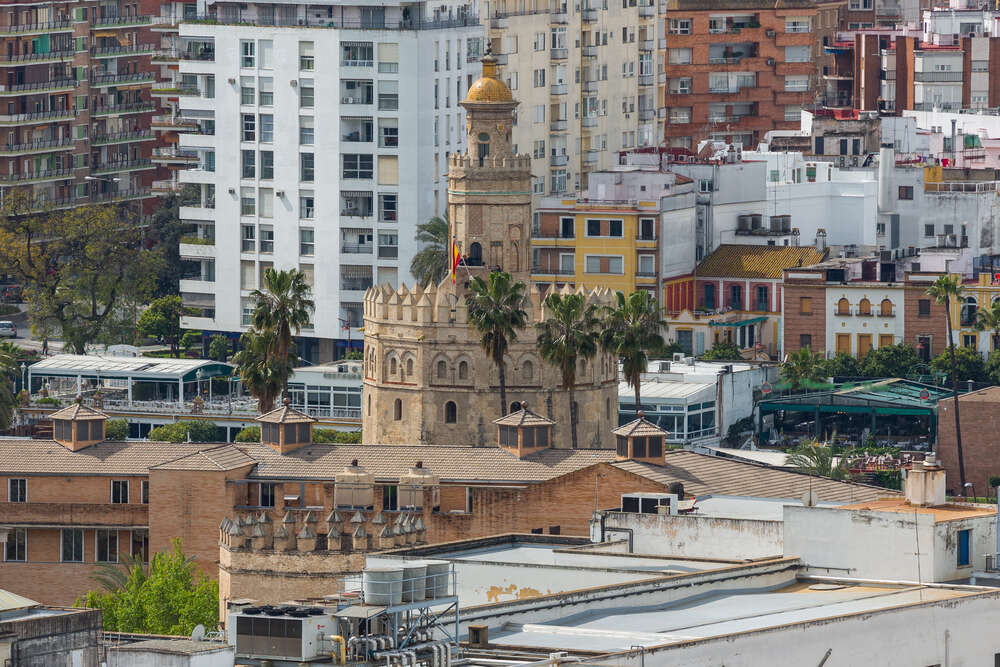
column 189, row 340
column 170, row 597
column 968, row 365
column 248, row 434
column 803, row 370
column 260, row 370
column 328, row 435
column 945, row 290
column 993, row 367
column 889, row 361
column 495, row 309
column 842, row 365
column 163, row 320
column 187, row 431
column 722, row 351
column 431, row 263
column 353, row 355
column 632, row 329
column 8, row 399
column 116, row 429
column 79, row 266
column 281, row 307
column 819, row 460
column 166, row 230
column 218, row 347
column 567, row 335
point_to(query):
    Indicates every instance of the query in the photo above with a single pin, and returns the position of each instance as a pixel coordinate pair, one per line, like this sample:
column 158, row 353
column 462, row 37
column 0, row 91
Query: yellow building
column 976, row 295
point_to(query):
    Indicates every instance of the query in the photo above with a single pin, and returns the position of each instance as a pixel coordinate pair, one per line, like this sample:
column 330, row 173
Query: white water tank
column 382, row 585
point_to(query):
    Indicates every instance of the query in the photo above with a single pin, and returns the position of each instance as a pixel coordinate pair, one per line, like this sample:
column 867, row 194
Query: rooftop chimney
column 821, row 239
column 925, row 483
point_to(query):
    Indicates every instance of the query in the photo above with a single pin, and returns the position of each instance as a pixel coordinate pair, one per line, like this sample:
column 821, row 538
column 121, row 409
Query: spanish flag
column 454, row 261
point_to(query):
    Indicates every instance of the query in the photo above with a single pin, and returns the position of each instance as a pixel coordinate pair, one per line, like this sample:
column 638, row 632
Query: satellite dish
column 198, row 633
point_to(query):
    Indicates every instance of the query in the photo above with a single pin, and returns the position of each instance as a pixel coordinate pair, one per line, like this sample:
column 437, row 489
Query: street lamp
column 968, row 485
column 24, row 376
column 200, row 374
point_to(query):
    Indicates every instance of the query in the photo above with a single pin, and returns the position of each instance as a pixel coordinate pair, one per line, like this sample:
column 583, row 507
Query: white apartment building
column 323, row 139
column 589, row 79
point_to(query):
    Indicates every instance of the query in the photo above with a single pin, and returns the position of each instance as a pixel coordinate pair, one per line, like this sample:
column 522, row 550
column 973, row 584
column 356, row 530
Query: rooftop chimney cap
column 524, row 405
column 286, row 401
column 641, row 414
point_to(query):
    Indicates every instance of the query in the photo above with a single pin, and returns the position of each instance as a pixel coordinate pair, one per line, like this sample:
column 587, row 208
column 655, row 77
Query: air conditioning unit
column 678, row 356
column 770, row 62
column 770, row 33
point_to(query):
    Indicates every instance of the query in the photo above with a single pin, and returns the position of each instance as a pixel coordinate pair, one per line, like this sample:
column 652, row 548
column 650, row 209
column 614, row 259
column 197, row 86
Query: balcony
column 388, row 252
column 357, row 130
column 116, row 22
column 590, row 157
column 131, row 515
column 165, row 186
column 647, row 114
column 647, row 11
column 559, row 88
column 36, row 176
column 589, row 121
column 174, row 91
column 123, row 166
column 937, row 77
column 51, row 86
column 558, row 125
column 122, row 138
column 589, row 52
column 552, row 270
column 175, row 156
column 122, row 109
column 108, row 80
column 355, row 285
column 589, row 15
column 357, row 248
column 647, row 45
column 59, row 25
column 589, row 86
column 115, row 51
column 173, row 124
column 559, row 18
column 197, row 247
column 198, row 212
column 338, row 22
column 646, row 79
column 559, row 54
column 36, row 58
column 558, row 160
column 204, row 55
column 35, row 147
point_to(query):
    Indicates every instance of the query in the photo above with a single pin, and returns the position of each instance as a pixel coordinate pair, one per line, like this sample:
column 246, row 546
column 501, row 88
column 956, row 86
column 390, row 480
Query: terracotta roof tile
column 104, row 458
column 639, row 427
column 756, row 261
column 77, row 411
column 285, row 415
column 523, row 417
column 222, row 457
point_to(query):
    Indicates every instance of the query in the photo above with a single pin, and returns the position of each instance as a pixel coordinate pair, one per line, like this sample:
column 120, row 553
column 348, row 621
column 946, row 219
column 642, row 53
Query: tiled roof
column 12, row 601
column 104, row 458
column 523, row 417
column 77, row 411
column 222, row 457
column 702, row 474
column 756, row 261
column 639, row 427
column 284, row 415
column 451, row 464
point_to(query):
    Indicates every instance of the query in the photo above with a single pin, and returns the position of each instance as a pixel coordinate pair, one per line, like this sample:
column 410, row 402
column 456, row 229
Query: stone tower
column 427, row 379
column 489, row 188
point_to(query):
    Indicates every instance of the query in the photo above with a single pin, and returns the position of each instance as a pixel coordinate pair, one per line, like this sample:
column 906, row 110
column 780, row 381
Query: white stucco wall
column 855, row 324
column 696, row 536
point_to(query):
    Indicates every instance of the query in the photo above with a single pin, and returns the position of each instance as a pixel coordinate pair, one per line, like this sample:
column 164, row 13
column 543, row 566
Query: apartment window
column 249, row 127
column 924, row 308
column 680, row 26
column 797, row 54
column 604, row 264
column 805, row 341
column 266, row 128
column 106, row 546
column 248, row 202
column 307, row 132
column 266, row 495
column 797, row 82
column 17, row 490
column 249, row 163
column 357, row 54
column 539, row 78
column 681, row 86
column 307, row 57
column 17, row 546
column 358, row 165
column 805, row 305
column 248, row 239
column 144, row 489
column 307, row 242
column 679, row 56
column 387, row 207
column 307, row 167
column 793, row 112
column 539, row 149
column 307, row 205
column 558, row 180
column 119, row 491
column 964, row 541
column 266, row 239
column 388, row 132
column 266, row 91
column 247, row 91
column 266, row 54
column 72, row 545
column 307, row 94
column 612, row 228
column 267, row 165
column 860, row 5
column 797, row 24
column 647, row 265
column 906, row 192
column 680, row 115
column 763, row 303
column 929, row 231
column 247, row 53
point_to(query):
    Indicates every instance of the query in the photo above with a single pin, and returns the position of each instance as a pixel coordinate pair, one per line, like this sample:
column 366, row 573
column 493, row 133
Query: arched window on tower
column 397, row 410
column 442, row 369
column 450, row 412
column 409, row 367
column 475, row 254
column 483, row 148
column 528, row 369
column 463, row 370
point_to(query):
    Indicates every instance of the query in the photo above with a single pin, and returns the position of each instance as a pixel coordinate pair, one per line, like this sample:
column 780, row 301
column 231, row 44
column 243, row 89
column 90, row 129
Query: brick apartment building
column 78, row 501
column 734, row 72
column 852, row 305
column 980, row 420
column 76, row 81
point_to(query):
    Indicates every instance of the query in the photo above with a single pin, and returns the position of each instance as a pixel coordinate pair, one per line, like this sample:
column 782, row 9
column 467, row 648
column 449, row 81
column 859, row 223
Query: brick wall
column 980, row 415
column 796, row 324
column 916, row 325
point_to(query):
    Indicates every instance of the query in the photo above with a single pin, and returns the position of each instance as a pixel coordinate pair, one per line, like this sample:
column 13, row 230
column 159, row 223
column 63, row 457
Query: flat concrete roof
column 177, row 647
column 742, row 507
column 717, row 614
column 560, row 555
column 947, row 512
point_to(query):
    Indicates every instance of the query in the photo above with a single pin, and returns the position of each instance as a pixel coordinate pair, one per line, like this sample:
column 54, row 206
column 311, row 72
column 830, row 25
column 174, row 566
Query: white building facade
column 324, row 135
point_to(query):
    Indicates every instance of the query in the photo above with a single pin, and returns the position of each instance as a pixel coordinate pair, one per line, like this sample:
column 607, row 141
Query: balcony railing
column 36, row 146
column 38, row 86
column 40, row 175
column 115, row 109
column 115, row 79
column 120, row 21
column 175, row 154
column 359, row 284
column 558, row 160
column 337, row 22
column 356, row 248
column 127, row 50
column 589, row 15
column 124, row 165
column 59, row 25
column 552, row 271
column 962, row 186
column 28, row 58
column 121, row 137
column 388, row 251
column 558, row 125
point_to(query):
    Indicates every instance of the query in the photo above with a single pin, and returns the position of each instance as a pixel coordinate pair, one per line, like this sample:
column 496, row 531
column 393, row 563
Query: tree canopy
column 163, row 320
column 431, row 263
column 197, row 430
column 722, row 351
column 170, row 597
column 496, row 310
column 803, row 370
column 633, row 328
column 79, row 266
column 889, row 361
column 969, row 365
column 842, row 365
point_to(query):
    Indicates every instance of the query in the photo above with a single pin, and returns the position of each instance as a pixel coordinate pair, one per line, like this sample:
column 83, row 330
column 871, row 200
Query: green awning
column 741, row 323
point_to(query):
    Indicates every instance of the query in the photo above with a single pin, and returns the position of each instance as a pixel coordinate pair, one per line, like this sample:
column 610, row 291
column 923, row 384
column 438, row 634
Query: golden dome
column 489, row 88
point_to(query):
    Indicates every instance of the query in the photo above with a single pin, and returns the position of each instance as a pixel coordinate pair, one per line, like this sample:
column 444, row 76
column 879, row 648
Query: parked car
column 8, row 330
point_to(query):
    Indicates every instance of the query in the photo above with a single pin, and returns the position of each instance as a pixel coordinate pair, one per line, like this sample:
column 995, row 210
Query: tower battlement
column 495, row 162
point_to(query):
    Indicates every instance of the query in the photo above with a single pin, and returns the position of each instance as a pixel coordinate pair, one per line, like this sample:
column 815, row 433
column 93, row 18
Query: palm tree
column 8, row 376
column 259, row 369
column 631, row 329
column 495, row 310
column 430, row 265
column 568, row 334
column 803, row 369
column 281, row 307
column 817, row 459
column 944, row 290
column 988, row 319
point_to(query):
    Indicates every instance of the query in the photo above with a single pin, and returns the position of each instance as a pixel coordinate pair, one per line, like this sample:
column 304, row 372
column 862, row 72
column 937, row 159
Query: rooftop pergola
column 881, row 398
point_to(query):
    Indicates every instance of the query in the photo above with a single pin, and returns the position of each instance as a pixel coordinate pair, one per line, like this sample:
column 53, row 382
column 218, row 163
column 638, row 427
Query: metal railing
column 962, row 186
column 107, row 79
column 552, row 271
column 356, row 248
column 123, row 165
column 120, row 21
column 388, row 251
column 59, row 24
column 37, row 145
column 118, row 137
column 39, row 86
column 36, row 175
column 141, row 107
column 33, row 57
column 122, row 50
column 337, row 22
